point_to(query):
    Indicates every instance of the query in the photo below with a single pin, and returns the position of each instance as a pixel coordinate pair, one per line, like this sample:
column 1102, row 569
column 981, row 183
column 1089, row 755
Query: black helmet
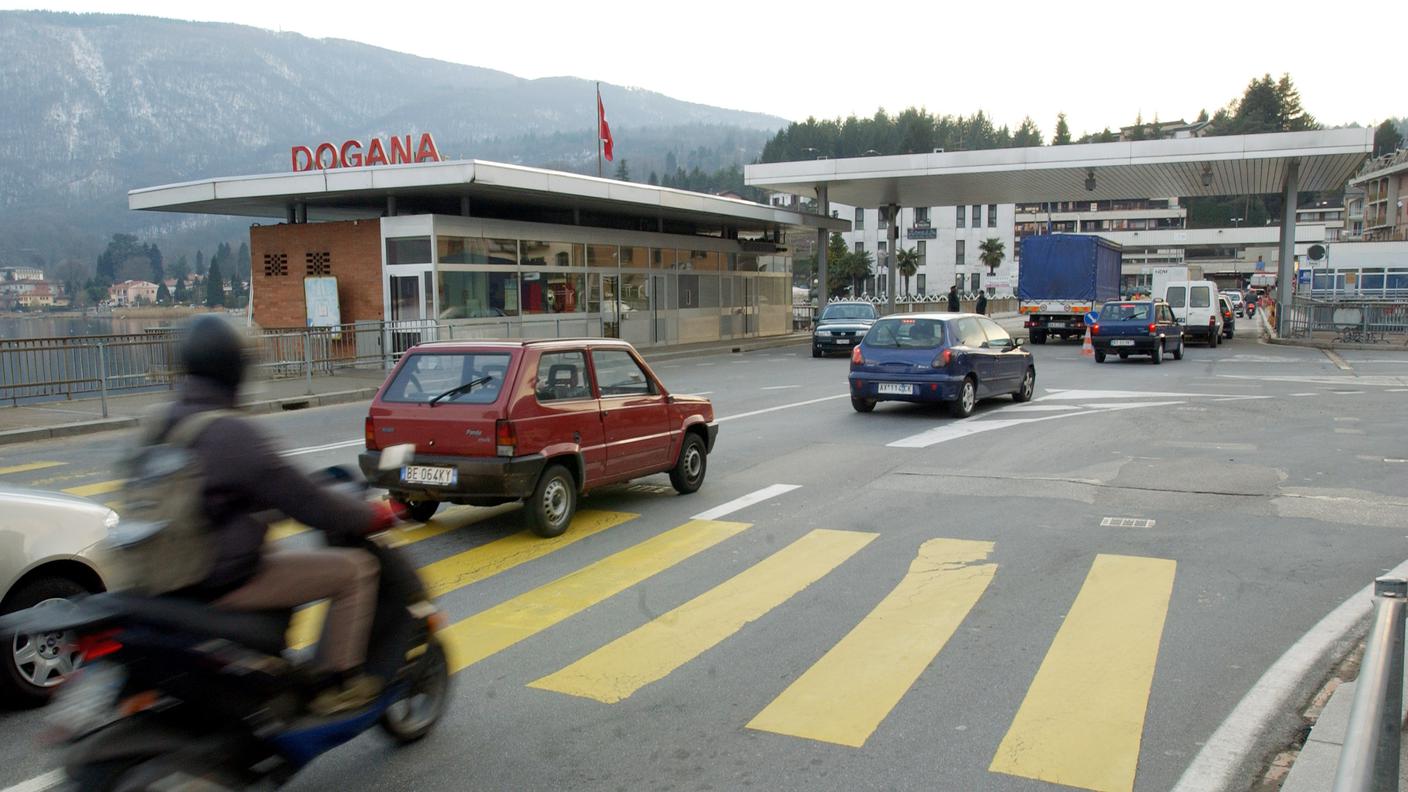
column 214, row 349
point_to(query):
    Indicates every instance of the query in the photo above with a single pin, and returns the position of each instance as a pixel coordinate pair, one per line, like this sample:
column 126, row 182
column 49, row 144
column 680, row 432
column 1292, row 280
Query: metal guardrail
column 1352, row 321
column 1369, row 757
column 44, row 369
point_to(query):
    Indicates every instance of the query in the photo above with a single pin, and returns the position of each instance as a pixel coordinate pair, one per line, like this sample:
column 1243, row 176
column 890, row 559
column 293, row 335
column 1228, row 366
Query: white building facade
column 947, row 239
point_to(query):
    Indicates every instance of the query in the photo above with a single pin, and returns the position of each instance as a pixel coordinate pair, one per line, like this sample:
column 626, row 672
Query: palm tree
column 908, row 263
column 858, row 267
column 992, row 252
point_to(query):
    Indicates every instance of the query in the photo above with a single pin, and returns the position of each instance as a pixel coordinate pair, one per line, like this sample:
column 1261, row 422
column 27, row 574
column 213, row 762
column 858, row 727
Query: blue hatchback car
column 939, row 357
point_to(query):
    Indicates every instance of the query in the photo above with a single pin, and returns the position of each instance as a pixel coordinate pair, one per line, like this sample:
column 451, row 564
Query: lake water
column 51, row 327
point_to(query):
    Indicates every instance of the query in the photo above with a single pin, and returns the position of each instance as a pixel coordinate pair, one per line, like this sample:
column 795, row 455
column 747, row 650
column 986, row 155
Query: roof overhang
column 350, row 193
column 1182, row 167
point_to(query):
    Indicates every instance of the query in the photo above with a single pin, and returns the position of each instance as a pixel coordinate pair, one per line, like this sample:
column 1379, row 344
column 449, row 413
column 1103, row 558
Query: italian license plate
column 896, row 388
column 1122, row 342
column 435, row 476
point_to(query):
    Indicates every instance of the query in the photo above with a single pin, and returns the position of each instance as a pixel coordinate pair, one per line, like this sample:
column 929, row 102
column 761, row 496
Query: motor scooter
column 174, row 694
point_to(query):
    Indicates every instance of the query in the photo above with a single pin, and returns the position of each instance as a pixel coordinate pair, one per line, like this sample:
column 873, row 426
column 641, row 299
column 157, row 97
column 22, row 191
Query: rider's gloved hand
column 388, row 514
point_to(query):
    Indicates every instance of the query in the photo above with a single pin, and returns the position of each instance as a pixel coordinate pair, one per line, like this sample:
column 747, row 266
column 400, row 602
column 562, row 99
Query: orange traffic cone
column 1087, row 349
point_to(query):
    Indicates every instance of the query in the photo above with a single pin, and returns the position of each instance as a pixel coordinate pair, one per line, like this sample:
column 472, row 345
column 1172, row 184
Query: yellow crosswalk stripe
column 100, row 488
column 1083, row 717
column 846, row 694
column 473, row 565
column 25, row 468
column 491, row 631
column 651, row 652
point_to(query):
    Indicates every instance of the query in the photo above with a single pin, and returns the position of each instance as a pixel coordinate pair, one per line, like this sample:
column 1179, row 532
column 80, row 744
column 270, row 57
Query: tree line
column 126, row 257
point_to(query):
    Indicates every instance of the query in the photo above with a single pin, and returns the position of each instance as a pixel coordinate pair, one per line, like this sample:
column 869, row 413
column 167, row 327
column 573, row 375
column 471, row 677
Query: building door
column 607, row 294
column 407, row 310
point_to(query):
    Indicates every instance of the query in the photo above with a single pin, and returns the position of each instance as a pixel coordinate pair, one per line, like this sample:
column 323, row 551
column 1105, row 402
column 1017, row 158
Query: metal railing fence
column 43, row 369
column 1369, row 757
column 1354, row 321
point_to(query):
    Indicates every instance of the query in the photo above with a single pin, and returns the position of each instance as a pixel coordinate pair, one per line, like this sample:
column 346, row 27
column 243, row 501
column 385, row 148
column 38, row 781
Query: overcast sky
column 1099, row 62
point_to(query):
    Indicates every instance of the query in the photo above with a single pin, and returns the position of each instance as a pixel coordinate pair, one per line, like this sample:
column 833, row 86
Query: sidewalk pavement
column 66, row 418
column 1314, row 767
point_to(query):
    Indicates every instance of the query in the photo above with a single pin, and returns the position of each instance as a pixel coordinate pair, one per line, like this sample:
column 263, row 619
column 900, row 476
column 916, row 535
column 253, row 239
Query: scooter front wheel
column 412, row 716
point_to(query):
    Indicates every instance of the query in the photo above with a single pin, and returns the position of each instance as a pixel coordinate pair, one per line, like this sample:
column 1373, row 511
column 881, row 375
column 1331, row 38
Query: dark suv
column 535, row 421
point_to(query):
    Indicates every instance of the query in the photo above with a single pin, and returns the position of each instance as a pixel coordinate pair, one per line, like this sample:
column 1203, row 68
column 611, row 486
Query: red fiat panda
column 538, row 421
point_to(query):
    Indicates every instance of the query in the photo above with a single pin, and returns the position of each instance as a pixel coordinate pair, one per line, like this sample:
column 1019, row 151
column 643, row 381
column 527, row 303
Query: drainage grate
column 1125, row 522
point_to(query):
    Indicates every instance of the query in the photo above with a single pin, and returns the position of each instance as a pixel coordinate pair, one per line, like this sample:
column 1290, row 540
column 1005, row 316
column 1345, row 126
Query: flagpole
column 598, row 130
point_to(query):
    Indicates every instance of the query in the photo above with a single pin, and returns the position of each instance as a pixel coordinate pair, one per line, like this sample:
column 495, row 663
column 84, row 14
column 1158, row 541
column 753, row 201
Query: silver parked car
column 48, row 544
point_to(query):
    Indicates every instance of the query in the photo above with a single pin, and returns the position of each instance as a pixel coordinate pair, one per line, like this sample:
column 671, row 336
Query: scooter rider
column 244, row 479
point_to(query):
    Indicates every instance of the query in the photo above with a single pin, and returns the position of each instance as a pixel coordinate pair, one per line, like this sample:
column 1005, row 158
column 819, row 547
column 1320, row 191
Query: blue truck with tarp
column 1063, row 277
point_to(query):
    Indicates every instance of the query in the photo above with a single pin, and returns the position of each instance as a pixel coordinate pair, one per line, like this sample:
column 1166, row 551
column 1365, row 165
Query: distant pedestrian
column 983, row 303
column 953, row 299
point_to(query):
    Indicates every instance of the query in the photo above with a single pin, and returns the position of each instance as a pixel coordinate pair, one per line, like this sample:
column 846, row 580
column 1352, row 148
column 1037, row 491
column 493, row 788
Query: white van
column 1196, row 307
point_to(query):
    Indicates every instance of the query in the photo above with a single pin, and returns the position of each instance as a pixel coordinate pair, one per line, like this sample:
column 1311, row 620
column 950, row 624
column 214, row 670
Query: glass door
column 410, row 303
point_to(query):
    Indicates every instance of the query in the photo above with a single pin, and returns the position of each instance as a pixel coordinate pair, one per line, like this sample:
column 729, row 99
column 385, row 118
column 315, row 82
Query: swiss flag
column 603, row 129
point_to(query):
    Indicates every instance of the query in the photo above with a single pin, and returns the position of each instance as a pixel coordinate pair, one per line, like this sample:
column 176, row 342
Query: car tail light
column 1226, row 314
column 856, row 357
column 1029, row 323
column 942, row 359
column 369, row 429
column 1153, row 328
column 97, row 645
column 506, row 438
column 1095, row 329
column 1212, row 320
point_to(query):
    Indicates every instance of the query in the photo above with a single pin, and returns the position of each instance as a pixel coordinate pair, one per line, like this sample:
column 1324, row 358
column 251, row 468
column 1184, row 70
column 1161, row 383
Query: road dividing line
column 651, row 652
column 782, row 407
column 780, row 387
column 327, row 447
column 957, row 429
column 101, row 488
column 39, row 783
column 25, row 468
column 846, row 694
column 725, row 509
column 491, row 631
column 1083, row 717
column 470, row 566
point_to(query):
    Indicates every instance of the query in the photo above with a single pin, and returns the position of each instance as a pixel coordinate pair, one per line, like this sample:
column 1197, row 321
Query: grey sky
column 1100, row 62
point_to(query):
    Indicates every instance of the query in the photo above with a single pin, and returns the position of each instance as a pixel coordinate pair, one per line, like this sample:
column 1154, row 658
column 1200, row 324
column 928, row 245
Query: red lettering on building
column 327, row 156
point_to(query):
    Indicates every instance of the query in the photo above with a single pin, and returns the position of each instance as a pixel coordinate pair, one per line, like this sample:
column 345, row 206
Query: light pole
column 1237, row 221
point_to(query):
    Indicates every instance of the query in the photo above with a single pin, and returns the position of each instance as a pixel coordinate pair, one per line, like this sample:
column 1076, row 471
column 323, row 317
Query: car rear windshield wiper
column 458, row 389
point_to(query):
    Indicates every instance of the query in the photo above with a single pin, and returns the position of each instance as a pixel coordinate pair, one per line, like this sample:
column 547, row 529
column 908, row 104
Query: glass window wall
column 551, row 292
column 602, row 256
column 408, row 250
column 551, row 254
column 477, row 295
column 473, row 250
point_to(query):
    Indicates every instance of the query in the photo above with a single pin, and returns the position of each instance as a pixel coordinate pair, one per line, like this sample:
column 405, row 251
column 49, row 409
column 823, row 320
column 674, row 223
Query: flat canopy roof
column 1234, row 165
column 350, row 193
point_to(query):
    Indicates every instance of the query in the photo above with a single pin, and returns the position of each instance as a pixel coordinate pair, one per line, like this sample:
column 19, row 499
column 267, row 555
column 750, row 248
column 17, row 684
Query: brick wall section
column 281, row 256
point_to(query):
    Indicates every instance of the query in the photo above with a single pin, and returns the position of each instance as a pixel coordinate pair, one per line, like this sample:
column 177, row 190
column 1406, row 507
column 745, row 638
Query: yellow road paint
column 491, row 631
column 447, row 521
column 25, row 468
column 473, row 565
column 101, row 488
column 485, row 561
column 284, row 529
column 1082, row 720
column 846, row 694
column 649, row 653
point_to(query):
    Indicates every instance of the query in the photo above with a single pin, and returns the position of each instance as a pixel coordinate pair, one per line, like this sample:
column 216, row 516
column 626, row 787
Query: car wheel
column 689, row 470
column 1099, row 356
column 962, row 407
column 862, row 405
column 1212, row 339
column 1038, row 338
column 36, row 664
column 1027, row 388
column 816, row 352
column 1178, row 350
column 420, row 510
column 549, row 509
column 1229, row 333
column 1158, row 355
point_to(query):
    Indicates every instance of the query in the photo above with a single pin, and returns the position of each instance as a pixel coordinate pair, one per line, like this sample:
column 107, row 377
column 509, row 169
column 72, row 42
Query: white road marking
column 781, row 387
column 327, row 447
column 698, row 393
column 781, row 407
column 1305, row 394
column 1376, row 380
column 1078, row 395
column 39, row 783
column 1217, row 765
column 956, row 429
column 1040, row 408
column 744, row 502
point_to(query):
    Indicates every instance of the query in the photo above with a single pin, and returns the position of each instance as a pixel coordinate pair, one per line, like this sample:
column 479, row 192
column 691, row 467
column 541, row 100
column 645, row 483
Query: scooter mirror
column 397, row 456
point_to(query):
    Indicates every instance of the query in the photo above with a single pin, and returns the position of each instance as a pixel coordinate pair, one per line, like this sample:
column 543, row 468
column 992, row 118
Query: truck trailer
column 1062, row 278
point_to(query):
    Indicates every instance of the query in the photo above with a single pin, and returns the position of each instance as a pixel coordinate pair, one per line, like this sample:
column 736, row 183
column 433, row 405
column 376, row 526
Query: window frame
column 584, row 371
column 651, row 387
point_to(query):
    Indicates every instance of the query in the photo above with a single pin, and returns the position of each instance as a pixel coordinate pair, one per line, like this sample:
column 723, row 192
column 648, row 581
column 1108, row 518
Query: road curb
column 283, row 404
column 751, row 345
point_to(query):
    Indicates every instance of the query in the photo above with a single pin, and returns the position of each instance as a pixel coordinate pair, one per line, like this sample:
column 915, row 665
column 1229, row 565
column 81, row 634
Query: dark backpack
column 163, row 543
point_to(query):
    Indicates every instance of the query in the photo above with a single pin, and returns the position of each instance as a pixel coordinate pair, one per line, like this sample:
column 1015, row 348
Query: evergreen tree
column 654, row 179
column 181, row 269
column 623, row 171
column 182, row 295
column 214, row 288
column 1387, row 138
column 155, row 261
column 1063, row 132
column 1027, row 134
column 163, row 295
column 200, row 262
column 242, row 262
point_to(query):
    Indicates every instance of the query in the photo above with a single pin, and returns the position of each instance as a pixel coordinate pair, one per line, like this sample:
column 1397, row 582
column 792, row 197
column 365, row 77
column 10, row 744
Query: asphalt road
column 1071, row 593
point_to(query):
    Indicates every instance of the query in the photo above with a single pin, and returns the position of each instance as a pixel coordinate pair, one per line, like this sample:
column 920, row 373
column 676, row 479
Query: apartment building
column 1385, row 207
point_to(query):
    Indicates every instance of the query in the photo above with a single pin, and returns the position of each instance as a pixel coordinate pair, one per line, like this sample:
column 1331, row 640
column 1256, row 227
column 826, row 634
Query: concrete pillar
column 390, row 206
column 1285, row 268
column 464, row 206
column 890, row 257
column 823, row 243
column 290, row 214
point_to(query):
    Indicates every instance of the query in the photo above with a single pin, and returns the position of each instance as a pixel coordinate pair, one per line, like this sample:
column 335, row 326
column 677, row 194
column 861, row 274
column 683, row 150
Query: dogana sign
column 398, row 151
